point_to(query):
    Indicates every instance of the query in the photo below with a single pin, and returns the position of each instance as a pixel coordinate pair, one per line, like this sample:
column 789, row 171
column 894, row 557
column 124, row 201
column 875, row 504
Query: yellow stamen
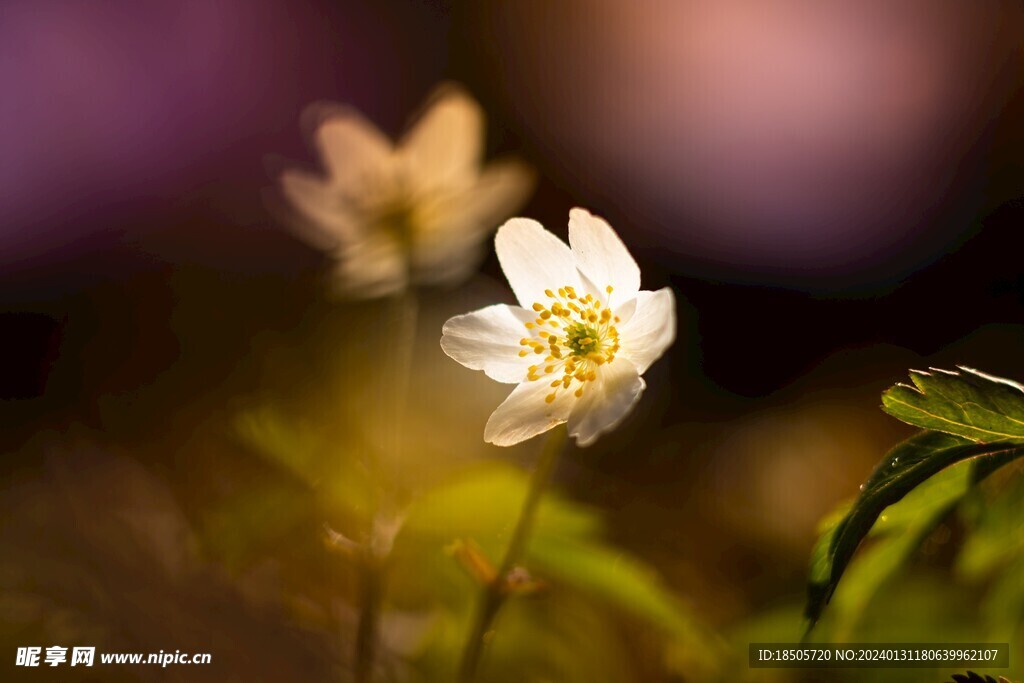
column 588, row 339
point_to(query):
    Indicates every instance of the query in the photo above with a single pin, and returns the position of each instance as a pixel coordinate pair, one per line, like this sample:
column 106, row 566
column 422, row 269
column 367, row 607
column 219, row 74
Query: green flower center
column 581, row 339
column 574, row 335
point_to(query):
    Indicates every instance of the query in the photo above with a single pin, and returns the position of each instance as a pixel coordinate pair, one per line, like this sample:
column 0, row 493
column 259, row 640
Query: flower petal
column 605, row 401
column 322, row 220
column 650, row 330
column 370, row 268
column 488, row 340
column 601, row 256
column 448, row 247
column 525, row 414
column 352, row 149
column 501, row 188
column 445, row 262
column 533, row 260
column 445, row 146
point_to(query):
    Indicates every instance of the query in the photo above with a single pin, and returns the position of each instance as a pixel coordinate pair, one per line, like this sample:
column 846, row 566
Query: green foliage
column 897, row 533
column 995, row 537
column 588, row 587
column 993, row 554
column 967, row 403
column 974, row 424
column 307, row 451
column 907, row 466
column 972, row 677
column 567, row 552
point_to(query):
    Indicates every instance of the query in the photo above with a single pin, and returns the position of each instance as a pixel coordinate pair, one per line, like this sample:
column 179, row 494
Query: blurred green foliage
column 906, row 467
column 595, row 607
column 941, row 520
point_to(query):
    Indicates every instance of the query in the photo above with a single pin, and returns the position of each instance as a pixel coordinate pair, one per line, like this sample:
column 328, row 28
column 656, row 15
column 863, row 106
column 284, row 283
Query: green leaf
column 967, row 403
column 479, row 504
column 307, row 451
column 899, row 531
column 995, row 537
column 1004, row 602
column 567, row 549
column 286, row 443
column 903, row 469
column 482, row 503
column 616, row 578
column 611, row 575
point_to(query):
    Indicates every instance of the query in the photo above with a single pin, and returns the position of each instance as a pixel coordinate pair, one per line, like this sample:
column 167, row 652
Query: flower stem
column 380, row 533
column 495, row 592
column 371, row 589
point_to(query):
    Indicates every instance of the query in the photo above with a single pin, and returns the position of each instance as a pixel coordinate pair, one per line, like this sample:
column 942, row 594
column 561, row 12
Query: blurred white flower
column 415, row 213
column 579, row 343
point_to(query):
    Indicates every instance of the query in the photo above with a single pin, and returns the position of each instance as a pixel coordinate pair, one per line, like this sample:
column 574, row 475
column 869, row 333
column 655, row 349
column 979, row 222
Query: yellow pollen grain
column 586, row 339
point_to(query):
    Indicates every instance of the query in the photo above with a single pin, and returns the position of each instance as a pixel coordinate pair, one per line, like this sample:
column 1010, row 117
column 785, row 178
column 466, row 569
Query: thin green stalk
column 376, row 546
column 371, row 592
column 495, row 592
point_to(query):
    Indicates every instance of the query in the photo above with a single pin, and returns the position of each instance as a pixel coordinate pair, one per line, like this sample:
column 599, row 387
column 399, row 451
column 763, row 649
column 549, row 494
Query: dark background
column 135, row 143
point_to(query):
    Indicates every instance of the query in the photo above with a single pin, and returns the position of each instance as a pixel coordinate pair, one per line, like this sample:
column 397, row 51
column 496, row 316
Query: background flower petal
column 449, row 246
column 605, row 401
column 501, row 187
column 446, row 260
column 319, row 215
column 444, row 147
column 525, row 414
column 601, row 255
column 351, row 148
column 488, row 340
column 533, row 260
column 650, row 330
column 371, row 267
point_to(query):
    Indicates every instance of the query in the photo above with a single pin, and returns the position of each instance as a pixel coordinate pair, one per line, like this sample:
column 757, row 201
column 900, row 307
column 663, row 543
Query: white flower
column 580, row 340
column 415, row 213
